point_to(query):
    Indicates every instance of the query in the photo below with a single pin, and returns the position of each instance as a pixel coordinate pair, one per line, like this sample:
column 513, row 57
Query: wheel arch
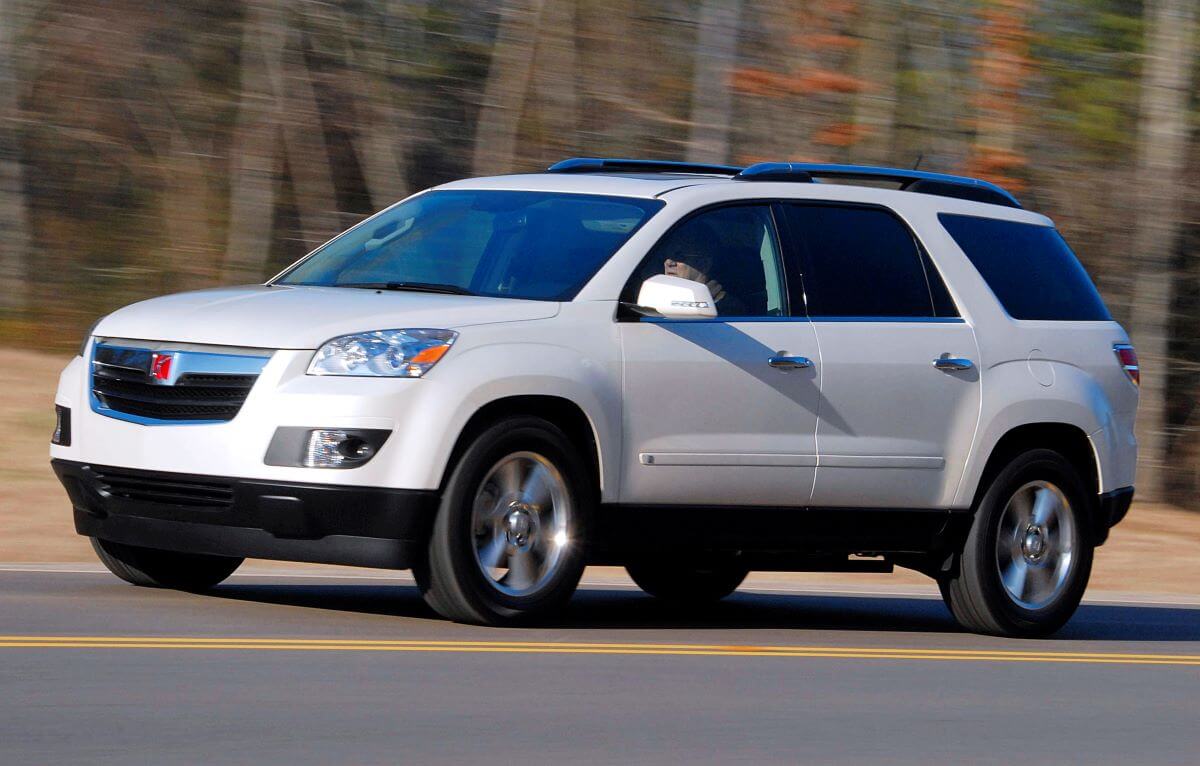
column 561, row 411
column 1067, row 439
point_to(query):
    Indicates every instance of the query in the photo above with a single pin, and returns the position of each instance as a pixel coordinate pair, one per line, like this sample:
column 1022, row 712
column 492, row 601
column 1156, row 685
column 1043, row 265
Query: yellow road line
column 631, row 649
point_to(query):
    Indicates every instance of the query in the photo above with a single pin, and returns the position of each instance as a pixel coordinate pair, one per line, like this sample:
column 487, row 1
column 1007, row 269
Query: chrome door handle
column 790, row 362
column 952, row 363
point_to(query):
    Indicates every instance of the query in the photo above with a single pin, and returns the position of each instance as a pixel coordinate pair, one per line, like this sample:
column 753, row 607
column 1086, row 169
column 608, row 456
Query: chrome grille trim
column 202, row 387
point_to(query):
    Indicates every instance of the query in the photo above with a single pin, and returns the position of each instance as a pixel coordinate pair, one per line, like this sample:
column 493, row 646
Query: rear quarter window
column 1030, row 268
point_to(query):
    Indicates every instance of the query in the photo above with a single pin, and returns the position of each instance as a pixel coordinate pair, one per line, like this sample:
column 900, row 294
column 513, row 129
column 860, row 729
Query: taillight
column 1127, row 358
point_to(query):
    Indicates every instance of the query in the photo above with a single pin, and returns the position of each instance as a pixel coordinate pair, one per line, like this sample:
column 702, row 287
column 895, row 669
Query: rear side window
column 1030, row 268
column 864, row 262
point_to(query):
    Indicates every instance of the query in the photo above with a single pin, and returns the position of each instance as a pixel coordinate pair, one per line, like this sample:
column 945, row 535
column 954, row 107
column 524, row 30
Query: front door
column 721, row 411
column 900, row 381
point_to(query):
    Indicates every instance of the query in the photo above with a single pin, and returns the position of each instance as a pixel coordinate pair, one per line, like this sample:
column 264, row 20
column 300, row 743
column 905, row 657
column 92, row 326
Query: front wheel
column 508, row 542
column 154, row 568
column 1028, row 557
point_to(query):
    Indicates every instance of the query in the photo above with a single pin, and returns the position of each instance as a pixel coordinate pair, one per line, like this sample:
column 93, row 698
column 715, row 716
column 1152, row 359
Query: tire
column 1027, row 559
column 682, row 584
column 153, row 568
column 508, row 543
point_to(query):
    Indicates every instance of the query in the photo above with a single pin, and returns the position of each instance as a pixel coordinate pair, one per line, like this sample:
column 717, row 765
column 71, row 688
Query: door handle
column 790, row 362
column 952, row 363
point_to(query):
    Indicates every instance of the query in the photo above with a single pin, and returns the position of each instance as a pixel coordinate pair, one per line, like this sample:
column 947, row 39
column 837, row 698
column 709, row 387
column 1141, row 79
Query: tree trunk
column 382, row 155
column 1169, row 59
column 608, row 69
column 14, row 220
column 308, row 156
column 712, row 92
column 507, row 86
column 934, row 109
column 189, row 250
column 555, row 71
column 878, row 65
column 254, row 183
column 386, row 133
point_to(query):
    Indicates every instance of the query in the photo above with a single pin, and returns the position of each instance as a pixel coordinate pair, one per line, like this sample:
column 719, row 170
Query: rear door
column 900, row 386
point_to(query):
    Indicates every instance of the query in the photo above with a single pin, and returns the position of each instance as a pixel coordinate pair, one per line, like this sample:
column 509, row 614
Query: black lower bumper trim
column 319, row 523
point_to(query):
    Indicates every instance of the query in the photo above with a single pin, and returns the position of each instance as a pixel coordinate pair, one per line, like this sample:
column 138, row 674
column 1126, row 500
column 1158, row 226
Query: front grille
column 122, row 382
column 163, row 488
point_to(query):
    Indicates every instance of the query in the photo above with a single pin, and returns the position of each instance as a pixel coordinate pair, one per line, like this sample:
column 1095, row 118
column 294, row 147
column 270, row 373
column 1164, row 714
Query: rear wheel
column 1028, row 557
column 684, row 584
column 153, row 568
column 508, row 542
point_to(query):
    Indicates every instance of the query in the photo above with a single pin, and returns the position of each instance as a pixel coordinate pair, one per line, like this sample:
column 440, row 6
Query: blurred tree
column 798, row 80
column 1087, row 53
column 375, row 41
column 555, row 99
column 148, row 147
column 1002, row 68
column 935, row 80
column 878, row 67
column 253, row 182
column 1168, row 72
column 608, row 61
column 279, row 131
column 14, row 222
column 507, row 87
column 717, row 35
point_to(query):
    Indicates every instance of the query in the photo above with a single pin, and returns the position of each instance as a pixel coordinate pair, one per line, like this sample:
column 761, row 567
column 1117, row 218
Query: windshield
column 512, row 244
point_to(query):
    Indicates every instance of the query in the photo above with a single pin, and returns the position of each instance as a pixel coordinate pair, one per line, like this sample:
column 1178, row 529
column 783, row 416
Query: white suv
column 692, row 371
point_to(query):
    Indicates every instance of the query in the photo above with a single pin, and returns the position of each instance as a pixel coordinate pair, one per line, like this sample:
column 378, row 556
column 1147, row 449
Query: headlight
column 383, row 353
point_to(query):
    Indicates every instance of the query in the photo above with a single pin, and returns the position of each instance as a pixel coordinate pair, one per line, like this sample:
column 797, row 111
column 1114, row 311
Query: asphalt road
column 297, row 670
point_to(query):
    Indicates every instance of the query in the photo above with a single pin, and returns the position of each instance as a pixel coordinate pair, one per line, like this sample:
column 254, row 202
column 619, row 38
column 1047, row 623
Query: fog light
column 324, row 447
column 334, row 449
column 62, row 426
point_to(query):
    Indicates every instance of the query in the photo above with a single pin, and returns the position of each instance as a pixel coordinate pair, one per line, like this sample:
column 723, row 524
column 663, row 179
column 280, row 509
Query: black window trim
column 799, row 259
column 625, row 314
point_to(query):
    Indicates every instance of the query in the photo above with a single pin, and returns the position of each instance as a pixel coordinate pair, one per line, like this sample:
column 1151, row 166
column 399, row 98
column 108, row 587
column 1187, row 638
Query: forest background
column 151, row 147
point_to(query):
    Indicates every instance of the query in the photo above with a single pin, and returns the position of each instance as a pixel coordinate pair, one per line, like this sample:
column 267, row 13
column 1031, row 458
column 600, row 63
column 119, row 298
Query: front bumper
column 423, row 421
column 289, row 521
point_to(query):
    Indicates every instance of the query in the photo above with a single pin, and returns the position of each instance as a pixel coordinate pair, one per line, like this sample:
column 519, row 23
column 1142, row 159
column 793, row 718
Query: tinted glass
column 863, row 262
column 1030, row 268
column 733, row 250
column 500, row 243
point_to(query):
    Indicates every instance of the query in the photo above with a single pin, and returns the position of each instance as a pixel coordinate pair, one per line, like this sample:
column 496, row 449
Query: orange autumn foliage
column 840, row 134
column 828, row 81
column 996, row 165
column 827, row 41
column 761, row 82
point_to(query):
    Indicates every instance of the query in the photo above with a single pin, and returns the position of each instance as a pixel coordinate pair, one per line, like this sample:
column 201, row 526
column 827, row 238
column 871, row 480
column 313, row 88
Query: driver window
column 733, row 250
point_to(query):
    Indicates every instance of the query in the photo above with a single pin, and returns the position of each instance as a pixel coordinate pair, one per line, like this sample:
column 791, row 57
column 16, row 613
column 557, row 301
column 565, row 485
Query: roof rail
column 600, row 165
column 920, row 181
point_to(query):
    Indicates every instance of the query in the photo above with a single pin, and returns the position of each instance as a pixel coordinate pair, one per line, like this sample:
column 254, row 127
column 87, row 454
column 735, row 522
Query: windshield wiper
column 416, row 287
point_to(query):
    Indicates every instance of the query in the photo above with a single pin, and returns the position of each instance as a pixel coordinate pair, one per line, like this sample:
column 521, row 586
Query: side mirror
column 677, row 297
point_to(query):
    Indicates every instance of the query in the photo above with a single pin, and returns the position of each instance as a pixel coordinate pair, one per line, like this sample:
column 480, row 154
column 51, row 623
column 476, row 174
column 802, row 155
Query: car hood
column 303, row 317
